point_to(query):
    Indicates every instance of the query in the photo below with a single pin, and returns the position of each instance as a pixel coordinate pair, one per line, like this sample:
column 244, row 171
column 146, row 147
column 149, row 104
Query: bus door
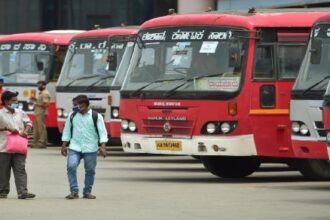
column 276, row 64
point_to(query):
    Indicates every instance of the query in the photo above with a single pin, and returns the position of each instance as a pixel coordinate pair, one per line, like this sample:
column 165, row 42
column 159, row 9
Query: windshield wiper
column 83, row 77
column 8, row 74
column 99, row 80
column 315, row 84
column 137, row 92
column 171, row 91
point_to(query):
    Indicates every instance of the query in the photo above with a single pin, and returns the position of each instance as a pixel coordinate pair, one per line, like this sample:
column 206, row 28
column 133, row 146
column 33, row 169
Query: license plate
column 169, row 145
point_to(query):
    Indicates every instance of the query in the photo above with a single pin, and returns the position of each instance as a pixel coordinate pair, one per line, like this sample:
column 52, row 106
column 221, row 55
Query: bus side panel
column 271, row 124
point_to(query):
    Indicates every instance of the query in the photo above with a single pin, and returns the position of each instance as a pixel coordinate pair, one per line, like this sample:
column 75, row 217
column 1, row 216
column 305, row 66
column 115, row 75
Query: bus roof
column 325, row 18
column 42, row 37
column 251, row 21
column 108, row 32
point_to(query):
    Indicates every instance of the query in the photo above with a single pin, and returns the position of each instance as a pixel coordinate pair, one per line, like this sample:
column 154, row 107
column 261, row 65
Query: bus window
column 289, row 60
column 146, row 70
column 264, row 62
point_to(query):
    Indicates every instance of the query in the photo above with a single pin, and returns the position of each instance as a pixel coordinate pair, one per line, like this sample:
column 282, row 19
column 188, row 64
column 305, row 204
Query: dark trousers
column 17, row 163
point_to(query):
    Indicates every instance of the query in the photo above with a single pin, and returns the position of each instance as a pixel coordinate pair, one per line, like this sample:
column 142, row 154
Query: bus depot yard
column 140, row 186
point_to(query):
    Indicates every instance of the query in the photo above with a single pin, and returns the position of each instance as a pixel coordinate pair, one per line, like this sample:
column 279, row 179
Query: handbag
column 16, row 144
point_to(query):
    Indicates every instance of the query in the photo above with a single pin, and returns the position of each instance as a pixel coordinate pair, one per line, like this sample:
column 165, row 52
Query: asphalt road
column 147, row 187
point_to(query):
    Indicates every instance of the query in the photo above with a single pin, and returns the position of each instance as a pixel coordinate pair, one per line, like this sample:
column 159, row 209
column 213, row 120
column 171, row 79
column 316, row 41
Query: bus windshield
column 24, row 63
column 185, row 59
column 315, row 75
column 86, row 64
column 123, row 66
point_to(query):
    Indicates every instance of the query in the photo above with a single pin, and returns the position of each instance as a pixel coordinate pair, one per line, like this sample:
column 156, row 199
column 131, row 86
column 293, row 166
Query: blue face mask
column 13, row 105
column 76, row 109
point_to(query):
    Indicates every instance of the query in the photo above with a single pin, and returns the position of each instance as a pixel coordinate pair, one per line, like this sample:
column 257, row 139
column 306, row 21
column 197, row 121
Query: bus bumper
column 242, row 145
column 306, row 148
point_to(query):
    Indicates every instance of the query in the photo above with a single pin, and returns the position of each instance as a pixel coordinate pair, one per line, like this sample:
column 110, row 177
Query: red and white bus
column 320, row 59
column 217, row 86
column 87, row 71
column 308, row 134
column 26, row 58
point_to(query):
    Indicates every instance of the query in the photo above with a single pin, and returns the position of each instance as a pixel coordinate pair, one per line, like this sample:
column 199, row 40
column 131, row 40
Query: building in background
column 41, row 15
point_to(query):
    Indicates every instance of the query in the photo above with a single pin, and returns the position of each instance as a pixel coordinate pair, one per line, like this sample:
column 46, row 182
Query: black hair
column 74, row 99
column 41, row 82
column 7, row 95
column 1, row 80
column 82, row 99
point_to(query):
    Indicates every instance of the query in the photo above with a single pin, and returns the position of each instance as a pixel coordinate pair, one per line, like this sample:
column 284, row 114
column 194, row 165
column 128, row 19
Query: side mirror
column 234, row 58
column 40, row 66
column 112, row 60
column 316, row 51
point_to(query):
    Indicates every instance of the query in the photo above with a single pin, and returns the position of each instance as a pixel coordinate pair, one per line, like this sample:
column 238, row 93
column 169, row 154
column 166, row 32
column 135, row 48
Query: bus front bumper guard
column 242, row 145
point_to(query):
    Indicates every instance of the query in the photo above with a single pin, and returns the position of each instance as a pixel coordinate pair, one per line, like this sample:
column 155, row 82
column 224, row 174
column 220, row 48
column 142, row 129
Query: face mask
column 76, row 109
column 13, row 105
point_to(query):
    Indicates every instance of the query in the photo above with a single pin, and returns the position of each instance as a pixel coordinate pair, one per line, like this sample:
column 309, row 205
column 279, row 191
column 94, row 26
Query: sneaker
column 3, row 196
column 26, row 196
column 72, row 195
column 89, row 196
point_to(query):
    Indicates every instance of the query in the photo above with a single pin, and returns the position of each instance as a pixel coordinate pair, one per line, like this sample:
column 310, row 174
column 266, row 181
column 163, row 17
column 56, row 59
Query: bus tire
column 230, row 167
column 315, row 169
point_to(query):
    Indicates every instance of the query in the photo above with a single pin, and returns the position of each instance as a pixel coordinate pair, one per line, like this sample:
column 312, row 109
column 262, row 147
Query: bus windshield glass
column 86, row 64
column 314, row 74
column 188, row 59
column 123, row 66
column 24, row 63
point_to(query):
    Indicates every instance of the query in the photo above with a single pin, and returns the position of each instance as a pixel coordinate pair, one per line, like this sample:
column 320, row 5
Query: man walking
column 15, row 121
column 84, row 129
column 40, row 112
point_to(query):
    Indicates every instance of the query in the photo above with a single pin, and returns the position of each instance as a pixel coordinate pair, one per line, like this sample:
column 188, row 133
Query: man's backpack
column 94, row 116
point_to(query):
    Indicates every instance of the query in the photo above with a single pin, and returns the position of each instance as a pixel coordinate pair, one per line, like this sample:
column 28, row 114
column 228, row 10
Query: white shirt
column 17, row 120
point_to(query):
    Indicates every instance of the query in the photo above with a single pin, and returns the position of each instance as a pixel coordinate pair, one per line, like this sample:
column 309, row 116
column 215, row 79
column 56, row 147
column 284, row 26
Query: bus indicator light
column 33, row 93
column 232, row 108
column 109, row 100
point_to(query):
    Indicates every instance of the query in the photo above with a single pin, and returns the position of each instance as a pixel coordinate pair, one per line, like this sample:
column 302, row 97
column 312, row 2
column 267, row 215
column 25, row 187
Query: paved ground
column 158, row 187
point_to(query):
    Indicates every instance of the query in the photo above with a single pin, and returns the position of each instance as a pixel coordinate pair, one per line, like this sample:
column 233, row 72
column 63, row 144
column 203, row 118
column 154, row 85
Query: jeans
column 73, row 162
column 17, row 163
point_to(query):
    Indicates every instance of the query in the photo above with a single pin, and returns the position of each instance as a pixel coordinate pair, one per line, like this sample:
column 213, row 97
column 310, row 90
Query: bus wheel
column 230, row 167
column 315, row 169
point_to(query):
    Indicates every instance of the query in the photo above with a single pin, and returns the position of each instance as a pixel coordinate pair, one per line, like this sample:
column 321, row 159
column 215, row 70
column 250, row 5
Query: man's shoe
column 72, row 195
column 26, row 196
column 89, row 196
column 3, row 196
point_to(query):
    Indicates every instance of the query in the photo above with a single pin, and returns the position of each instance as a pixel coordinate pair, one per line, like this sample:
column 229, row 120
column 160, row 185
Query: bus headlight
column 304, row 129
column 115, row 112
column 132, row 126
column 30, row 106
column 225, row 127
column 210, row 128
column 64, row 114
column 295, row 127
column 59, row 112
column 124, row 124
